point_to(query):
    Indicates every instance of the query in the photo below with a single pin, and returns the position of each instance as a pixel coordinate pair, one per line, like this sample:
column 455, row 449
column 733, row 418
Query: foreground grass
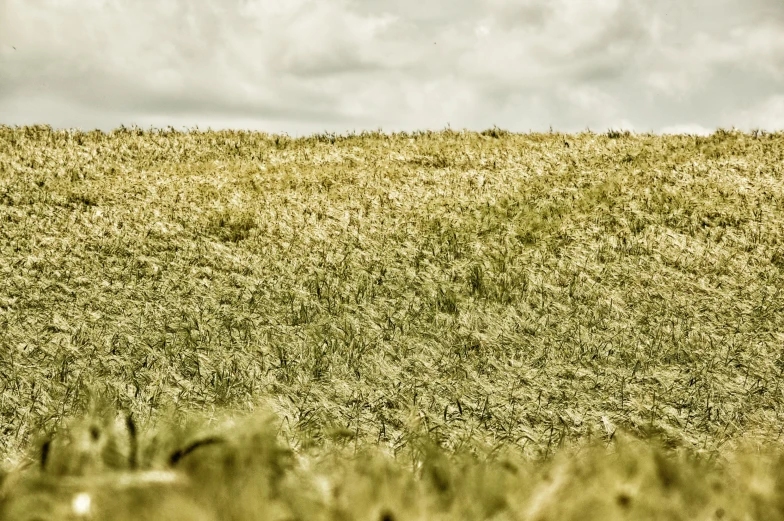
column 458, row 312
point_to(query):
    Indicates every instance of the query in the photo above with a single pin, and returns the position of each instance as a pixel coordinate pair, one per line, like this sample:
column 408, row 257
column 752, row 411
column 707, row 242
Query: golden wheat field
column 450, row 325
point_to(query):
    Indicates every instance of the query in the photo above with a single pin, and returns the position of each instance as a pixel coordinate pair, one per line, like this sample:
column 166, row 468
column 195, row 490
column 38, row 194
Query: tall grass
column 437, row 325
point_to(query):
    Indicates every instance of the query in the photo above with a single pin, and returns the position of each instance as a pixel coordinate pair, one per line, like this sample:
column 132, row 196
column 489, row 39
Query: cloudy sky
column 305, row 66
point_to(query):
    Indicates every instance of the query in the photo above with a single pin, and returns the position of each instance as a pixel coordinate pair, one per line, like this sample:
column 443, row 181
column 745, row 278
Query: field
column 437, row 325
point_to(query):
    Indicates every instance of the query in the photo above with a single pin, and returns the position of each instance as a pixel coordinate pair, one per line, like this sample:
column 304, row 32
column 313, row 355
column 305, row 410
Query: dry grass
column 434, row 326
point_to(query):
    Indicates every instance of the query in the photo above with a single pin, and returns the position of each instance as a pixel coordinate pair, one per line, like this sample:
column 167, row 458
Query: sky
column 313, row 66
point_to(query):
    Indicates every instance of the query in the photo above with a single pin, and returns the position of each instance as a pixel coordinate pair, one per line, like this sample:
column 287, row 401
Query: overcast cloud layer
column 304, row 66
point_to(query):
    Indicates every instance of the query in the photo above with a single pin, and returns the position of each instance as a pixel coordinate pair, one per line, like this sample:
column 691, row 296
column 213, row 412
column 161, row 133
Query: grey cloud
column 516, row 15
column 350, row 64
column 423, row 15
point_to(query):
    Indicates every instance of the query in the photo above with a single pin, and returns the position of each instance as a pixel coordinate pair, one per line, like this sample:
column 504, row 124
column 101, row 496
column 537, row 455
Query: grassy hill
column 456, row 324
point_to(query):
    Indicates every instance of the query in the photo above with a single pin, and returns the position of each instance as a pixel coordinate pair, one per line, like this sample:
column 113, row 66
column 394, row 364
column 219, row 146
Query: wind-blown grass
column 435, row 320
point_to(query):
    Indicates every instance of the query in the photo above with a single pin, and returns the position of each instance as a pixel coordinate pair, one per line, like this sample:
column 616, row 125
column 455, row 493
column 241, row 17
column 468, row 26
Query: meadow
column 229, row 325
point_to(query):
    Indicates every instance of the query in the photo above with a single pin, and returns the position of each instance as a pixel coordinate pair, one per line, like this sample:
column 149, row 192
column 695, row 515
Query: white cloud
column 767, row 114
column 762, row 45
column 588, row 99
column 537, row 43
column 680, row 67
column 316, row 37
column 686, row 128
